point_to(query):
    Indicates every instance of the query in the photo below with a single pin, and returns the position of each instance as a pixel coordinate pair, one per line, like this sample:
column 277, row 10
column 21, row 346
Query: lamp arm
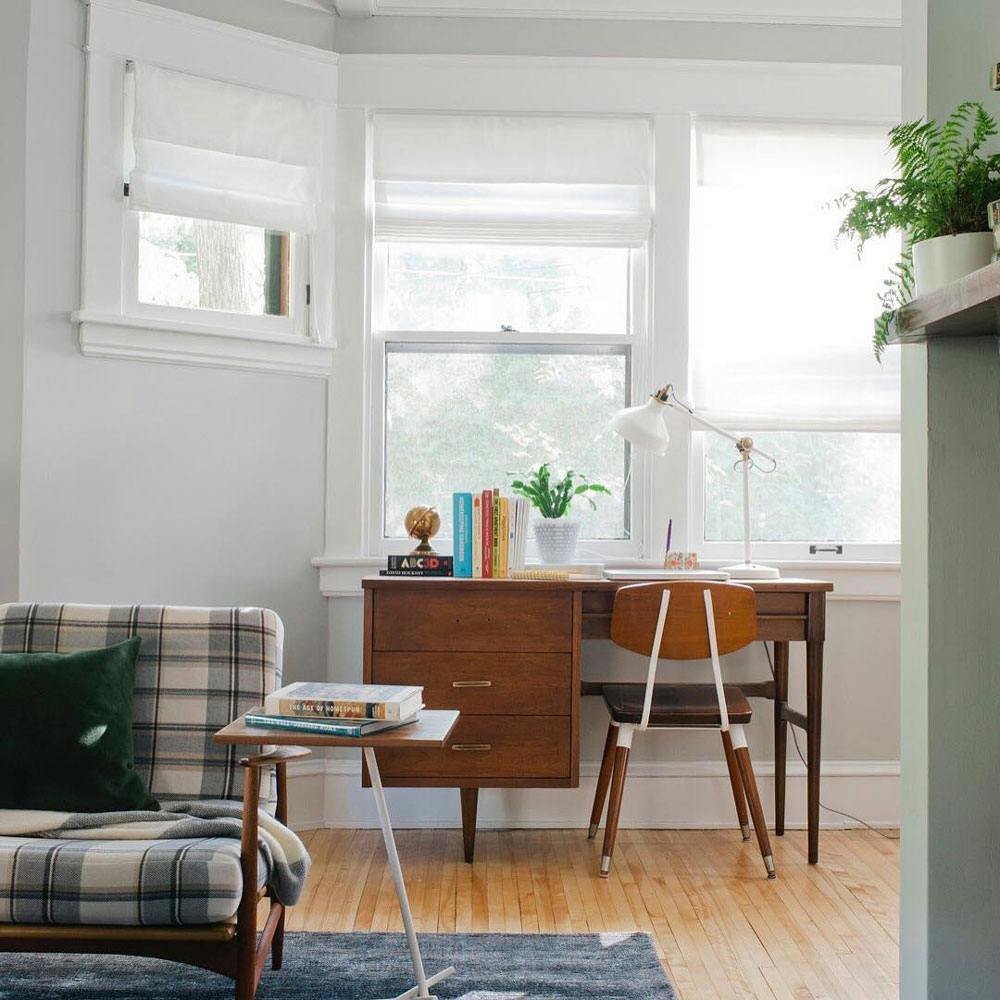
column 669, row 397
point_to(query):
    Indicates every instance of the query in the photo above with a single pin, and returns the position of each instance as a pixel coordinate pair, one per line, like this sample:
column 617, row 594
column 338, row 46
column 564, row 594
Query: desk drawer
column 484, row 683
column 489, row 746
column 485, row 619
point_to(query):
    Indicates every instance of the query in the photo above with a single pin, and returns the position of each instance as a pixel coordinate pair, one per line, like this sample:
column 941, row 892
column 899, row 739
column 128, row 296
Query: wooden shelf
column 969, row 307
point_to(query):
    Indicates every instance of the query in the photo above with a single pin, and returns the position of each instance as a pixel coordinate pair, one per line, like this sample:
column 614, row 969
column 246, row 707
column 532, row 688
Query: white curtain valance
column 207, row 149
column 504, row 179
column 781, row 311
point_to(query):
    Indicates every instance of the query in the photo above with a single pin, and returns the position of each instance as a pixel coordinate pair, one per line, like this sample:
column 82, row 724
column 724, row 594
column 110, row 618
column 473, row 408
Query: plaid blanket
column 138, row 868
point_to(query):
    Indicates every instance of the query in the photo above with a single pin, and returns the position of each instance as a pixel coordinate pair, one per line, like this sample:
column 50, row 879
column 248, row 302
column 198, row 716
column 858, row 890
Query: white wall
column 13, row 79
column 150, row 482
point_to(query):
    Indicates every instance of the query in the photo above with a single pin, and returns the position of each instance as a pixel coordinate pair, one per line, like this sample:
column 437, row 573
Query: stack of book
column 993, row 217
column 338, row 709
column 411, row 565
column 491, row 533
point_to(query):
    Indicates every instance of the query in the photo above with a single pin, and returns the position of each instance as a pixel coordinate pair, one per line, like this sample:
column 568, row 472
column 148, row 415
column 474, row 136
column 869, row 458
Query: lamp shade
column 644, row 426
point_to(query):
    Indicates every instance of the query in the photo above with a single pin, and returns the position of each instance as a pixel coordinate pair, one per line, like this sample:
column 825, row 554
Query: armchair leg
column 603, row 780
column 278, row 943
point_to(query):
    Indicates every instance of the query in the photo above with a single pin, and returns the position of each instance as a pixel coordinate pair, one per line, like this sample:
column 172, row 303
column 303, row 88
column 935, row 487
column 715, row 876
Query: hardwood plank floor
column 721, row 929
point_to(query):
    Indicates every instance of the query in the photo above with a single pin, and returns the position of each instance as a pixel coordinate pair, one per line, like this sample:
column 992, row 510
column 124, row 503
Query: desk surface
column 432, row 729
column 790, row 584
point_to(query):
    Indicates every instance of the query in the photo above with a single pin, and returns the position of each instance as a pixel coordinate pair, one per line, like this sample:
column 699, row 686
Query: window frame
column 293, row 326
column 769, row 551
column 634, row 344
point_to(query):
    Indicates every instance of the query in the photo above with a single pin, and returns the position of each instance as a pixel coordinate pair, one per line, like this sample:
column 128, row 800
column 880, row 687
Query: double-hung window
column 222, row 185
column 781, row 327
column 509, row 262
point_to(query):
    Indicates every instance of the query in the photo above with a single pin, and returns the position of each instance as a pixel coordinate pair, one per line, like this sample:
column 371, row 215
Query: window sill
column 143, row 339
column 340, row 576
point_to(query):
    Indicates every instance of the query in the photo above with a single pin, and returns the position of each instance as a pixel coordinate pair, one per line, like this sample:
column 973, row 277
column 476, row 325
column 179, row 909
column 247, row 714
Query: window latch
column 833, row 550
column 308, row 294
column 504, row 328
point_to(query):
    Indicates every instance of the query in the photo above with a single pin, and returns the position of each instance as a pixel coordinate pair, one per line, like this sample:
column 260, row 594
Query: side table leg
column 421, row 989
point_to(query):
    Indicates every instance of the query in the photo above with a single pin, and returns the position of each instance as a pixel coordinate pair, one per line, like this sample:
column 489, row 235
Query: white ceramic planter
column 944, row 259
column 556, row 538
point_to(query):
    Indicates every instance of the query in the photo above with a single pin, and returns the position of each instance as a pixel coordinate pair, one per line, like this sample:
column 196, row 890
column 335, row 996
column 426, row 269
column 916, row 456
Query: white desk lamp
column 644, row 426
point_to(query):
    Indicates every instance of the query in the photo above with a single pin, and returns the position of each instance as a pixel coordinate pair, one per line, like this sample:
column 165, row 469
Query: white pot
column 945, row 259
column 556, row 538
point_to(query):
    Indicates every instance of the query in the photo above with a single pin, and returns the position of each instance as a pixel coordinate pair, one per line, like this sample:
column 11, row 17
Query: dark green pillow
column 66, row 731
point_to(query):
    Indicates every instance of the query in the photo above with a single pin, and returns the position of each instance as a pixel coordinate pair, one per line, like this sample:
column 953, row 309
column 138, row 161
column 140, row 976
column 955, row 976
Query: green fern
column 943, row 186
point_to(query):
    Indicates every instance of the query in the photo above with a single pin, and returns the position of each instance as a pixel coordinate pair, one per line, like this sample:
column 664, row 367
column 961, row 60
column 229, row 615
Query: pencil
column 670, row 529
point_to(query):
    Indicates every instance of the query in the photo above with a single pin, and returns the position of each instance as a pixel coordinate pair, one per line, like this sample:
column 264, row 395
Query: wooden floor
column 721, row 929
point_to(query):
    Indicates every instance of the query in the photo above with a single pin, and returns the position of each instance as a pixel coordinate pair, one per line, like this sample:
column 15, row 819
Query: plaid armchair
column 191, row 901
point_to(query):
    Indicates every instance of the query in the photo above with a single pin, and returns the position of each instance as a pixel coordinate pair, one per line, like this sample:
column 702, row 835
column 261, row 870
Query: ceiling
column 864, row 13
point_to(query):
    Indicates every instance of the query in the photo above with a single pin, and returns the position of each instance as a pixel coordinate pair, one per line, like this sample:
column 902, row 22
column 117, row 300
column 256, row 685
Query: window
column 509, row 262
column 781, row 325
column 189, row 263
column 219, row 211
column 207, row 229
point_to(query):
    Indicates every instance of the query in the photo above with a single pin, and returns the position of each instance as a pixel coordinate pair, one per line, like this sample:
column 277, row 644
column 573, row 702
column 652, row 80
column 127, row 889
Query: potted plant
column 555, row 533
column 937, row 201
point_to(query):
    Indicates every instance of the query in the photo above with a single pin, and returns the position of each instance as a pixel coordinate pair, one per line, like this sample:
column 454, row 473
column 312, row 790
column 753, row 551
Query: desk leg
column 470, row 803
column 780, row 734
column 423, row 982
column 814, row 722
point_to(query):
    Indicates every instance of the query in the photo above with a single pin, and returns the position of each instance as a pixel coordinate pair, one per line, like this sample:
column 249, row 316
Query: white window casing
column 188, row 117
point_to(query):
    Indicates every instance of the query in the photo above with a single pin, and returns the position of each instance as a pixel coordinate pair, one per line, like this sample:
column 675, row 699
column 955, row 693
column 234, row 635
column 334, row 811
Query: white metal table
column 431, row 729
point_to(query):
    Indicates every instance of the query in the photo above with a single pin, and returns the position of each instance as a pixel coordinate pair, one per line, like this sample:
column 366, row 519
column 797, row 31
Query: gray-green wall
column 950, row 902
column 13, row 83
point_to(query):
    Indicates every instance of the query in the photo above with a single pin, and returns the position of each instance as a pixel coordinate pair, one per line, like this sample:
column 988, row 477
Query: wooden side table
column 430, row 731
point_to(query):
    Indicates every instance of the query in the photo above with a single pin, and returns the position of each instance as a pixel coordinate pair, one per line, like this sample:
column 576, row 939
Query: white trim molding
column 859, row 13
column 660, row 795
column 621, row 85
column 113, row 336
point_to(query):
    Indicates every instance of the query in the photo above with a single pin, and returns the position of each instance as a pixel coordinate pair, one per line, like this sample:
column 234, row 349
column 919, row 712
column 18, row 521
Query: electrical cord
column 822, row 804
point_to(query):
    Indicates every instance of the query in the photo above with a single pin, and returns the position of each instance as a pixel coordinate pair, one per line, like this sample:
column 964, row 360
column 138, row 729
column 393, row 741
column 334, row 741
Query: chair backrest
column 685, row 635
column 198, row 669
column 684, row 621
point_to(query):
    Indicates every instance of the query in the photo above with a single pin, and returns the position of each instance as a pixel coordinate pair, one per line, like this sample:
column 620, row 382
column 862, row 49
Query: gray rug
column 367, row 966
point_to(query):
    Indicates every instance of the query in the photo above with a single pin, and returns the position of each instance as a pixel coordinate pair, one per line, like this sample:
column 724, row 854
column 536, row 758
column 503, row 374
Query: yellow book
column 504, row 540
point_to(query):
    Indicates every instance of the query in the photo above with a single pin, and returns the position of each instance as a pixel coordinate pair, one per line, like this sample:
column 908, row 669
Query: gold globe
column 422, row 524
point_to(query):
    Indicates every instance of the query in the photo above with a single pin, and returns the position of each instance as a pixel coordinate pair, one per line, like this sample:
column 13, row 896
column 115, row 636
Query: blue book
column 462, row 521
column 321, row 727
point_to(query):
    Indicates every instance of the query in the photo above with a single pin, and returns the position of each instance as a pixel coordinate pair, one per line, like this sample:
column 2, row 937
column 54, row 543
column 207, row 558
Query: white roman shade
column 781, row 315
column 212, row 150
column 511, row 179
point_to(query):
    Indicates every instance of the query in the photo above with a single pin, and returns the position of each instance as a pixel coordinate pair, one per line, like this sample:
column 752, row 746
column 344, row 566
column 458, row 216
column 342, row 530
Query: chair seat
column 676, row 704
column 123, row 882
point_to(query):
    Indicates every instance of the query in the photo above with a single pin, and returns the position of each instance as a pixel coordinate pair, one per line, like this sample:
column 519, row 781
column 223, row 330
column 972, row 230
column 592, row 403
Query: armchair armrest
column 276, row 755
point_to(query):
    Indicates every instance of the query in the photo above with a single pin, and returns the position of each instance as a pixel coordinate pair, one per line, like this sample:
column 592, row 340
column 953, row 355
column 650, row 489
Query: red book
column 487, row 532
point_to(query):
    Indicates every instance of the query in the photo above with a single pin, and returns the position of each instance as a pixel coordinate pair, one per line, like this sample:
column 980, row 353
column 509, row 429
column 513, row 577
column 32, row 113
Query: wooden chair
column 680, row 621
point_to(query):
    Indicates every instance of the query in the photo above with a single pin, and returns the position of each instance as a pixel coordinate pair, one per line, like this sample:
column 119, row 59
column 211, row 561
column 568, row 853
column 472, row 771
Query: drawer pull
column 480, row 747
column 471, row 684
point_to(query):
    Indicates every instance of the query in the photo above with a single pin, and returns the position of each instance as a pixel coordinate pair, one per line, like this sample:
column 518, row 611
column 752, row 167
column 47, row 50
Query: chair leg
column 753, row 798
column 603, row 780
column 617, row 789
column 278, row 943
column 736, row 781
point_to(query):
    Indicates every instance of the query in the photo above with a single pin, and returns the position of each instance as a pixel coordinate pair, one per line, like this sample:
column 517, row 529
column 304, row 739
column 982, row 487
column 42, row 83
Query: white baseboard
column 659, row 795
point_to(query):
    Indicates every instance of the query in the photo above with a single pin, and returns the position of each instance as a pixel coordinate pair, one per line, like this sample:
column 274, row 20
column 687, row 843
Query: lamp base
column 752, row 571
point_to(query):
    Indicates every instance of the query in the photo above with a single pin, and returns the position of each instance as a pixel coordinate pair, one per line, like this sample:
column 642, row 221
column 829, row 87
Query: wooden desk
column 519, row 695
